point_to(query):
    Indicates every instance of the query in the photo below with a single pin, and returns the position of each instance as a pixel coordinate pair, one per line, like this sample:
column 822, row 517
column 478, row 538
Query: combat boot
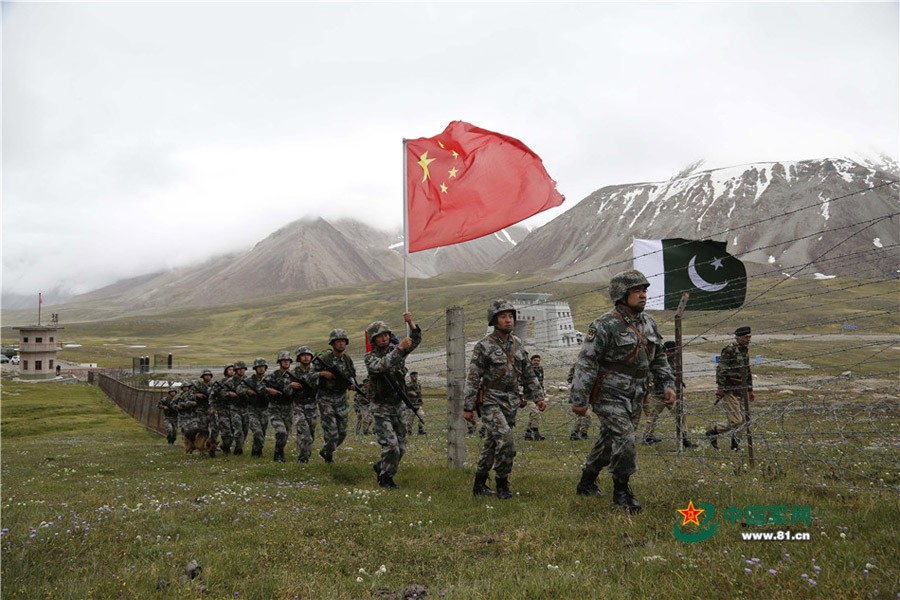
column 225, row 450
column 422, row 431
column 735, row 445
column 279, row 455
column 327, row 455
column 623, row 496
column 588, row 485
column 528, row 435
column 377, row 468
column 574, row 436
column 238, row 451
column 537, row 435
column 480, row 488
column 711, row 438
column 387, row 482
column 503, row 488
column 256, row 453
column 686, row 443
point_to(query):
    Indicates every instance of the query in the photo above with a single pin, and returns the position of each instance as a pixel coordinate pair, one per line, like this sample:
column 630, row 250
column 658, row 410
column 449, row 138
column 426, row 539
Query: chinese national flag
column 468, row 182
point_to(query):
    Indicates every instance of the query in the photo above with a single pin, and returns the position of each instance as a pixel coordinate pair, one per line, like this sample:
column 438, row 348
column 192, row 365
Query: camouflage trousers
column 390, row 431
column 499, row 448
column 364, row 419
column 412, row 421
column 259, row 422
column 615, row 447
column 653, row 406
column 189, row 421
column 202, row 419
column 734, row 415
column 305, row 418
column 282, row 418
column 171, row 429
column 223, row 426
column 582, row 424
column 237, row 415
column 335, row 414
column 534, row 415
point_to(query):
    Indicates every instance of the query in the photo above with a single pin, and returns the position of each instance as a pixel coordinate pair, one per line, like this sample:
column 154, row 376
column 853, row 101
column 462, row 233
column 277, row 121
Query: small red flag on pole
column 468, row 182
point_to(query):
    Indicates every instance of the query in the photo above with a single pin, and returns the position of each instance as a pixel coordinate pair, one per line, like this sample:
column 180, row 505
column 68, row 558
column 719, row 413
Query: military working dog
column 198, row 439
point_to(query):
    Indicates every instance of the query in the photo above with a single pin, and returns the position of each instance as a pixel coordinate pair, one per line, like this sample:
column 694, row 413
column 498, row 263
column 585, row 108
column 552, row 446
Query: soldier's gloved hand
column 541, row 405
column 467, row 415
column 326, row 374
column 719, row 394
column 669, row 396
column 581, row 411
column 405, row 343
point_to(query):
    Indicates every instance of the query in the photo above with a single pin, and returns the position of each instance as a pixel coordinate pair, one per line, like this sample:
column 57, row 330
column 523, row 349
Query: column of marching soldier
column 623, row 351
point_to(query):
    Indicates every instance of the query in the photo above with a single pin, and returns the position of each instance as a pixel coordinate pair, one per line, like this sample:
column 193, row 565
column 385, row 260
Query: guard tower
column 543, row 322
column 37, row 351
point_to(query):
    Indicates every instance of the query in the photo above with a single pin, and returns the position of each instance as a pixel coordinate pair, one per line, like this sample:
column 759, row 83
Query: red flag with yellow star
column 469, row 182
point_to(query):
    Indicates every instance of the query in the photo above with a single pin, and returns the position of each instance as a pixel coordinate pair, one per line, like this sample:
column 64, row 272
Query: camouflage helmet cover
column 260, row 362
column 172, row 388
column 284, row 355
column 187, row 384
column 239, row 364
column 498, row 306
column 225, row 369
column 624, row 281
column 205, row 372
column 303, row 350
column 338, row 334
column 377, row 328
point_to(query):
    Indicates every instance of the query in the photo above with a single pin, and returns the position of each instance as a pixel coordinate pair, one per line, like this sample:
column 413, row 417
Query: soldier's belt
column 509, row 389
column 637, row 372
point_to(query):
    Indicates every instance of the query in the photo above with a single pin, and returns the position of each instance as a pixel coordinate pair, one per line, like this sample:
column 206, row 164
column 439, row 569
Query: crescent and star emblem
column 699, row 281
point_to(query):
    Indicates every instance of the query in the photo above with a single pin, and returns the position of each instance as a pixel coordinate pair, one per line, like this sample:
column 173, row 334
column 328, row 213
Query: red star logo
column 691, row 514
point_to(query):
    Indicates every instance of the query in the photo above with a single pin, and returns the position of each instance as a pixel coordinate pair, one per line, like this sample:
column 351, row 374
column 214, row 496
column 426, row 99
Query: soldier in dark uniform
column 256, row 399
column 656, row 403
column 732, row 378
column 336, row 371
column 221, row 409
column 533, row 431
column 386, row 365
column 201, row 398
column 622, row 349
column 414, row 391
column 498, row 367
column 280, row 410
column 237, row 408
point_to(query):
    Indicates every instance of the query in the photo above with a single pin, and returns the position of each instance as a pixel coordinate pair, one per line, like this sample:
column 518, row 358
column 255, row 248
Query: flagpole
column 405, row 236
column 40, row 301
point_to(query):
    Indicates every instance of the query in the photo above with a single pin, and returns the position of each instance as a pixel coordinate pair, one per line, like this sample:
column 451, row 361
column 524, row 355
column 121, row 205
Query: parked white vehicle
column 14, row 360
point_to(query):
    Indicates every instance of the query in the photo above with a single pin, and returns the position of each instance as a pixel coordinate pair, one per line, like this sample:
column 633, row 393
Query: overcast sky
column 143, row 136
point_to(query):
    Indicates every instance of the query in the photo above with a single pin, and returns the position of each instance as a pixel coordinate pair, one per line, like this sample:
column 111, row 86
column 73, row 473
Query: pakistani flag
column 714, row 279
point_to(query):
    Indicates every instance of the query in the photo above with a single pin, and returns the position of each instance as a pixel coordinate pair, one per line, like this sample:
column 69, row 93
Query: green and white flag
column 714, row 279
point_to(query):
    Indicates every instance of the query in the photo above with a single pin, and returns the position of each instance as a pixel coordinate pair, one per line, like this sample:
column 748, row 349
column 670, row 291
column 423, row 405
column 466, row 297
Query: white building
column 544, row 323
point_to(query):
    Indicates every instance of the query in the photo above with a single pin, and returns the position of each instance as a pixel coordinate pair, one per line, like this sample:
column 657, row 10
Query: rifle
column 348, row 381
column 396, row 388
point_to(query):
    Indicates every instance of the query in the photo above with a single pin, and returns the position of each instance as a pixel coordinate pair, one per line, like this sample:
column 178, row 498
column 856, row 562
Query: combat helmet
column 284, row 355
column 205, row 372
column 377, row 328
column 260, row 362
column 239, row 364
column 624, row 281
column 303, row 350
column 498, row 306
column 338, row 334
column 225, row 369
column 172, row 388
column 187, row 384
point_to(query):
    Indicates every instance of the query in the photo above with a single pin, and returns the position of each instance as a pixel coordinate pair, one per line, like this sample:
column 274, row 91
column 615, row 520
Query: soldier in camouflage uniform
column 280, row 402
column 386, row 365
column 730, row 384
column 498, row 367
column 202, row 392
column 336, row 373
column 362, row 409
column 582, row 424
column 414, row 391
column 533, row 431
column 655, row 403
column 170, row 414
column 622, row 348
column 303, row 386
column 184, row 404
column 303, row 395
column 221, row 410
column 256, row 398
column 237, row 408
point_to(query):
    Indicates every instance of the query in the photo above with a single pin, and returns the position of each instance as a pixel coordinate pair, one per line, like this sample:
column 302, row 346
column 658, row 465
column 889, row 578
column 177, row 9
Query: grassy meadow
column 94, row 506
